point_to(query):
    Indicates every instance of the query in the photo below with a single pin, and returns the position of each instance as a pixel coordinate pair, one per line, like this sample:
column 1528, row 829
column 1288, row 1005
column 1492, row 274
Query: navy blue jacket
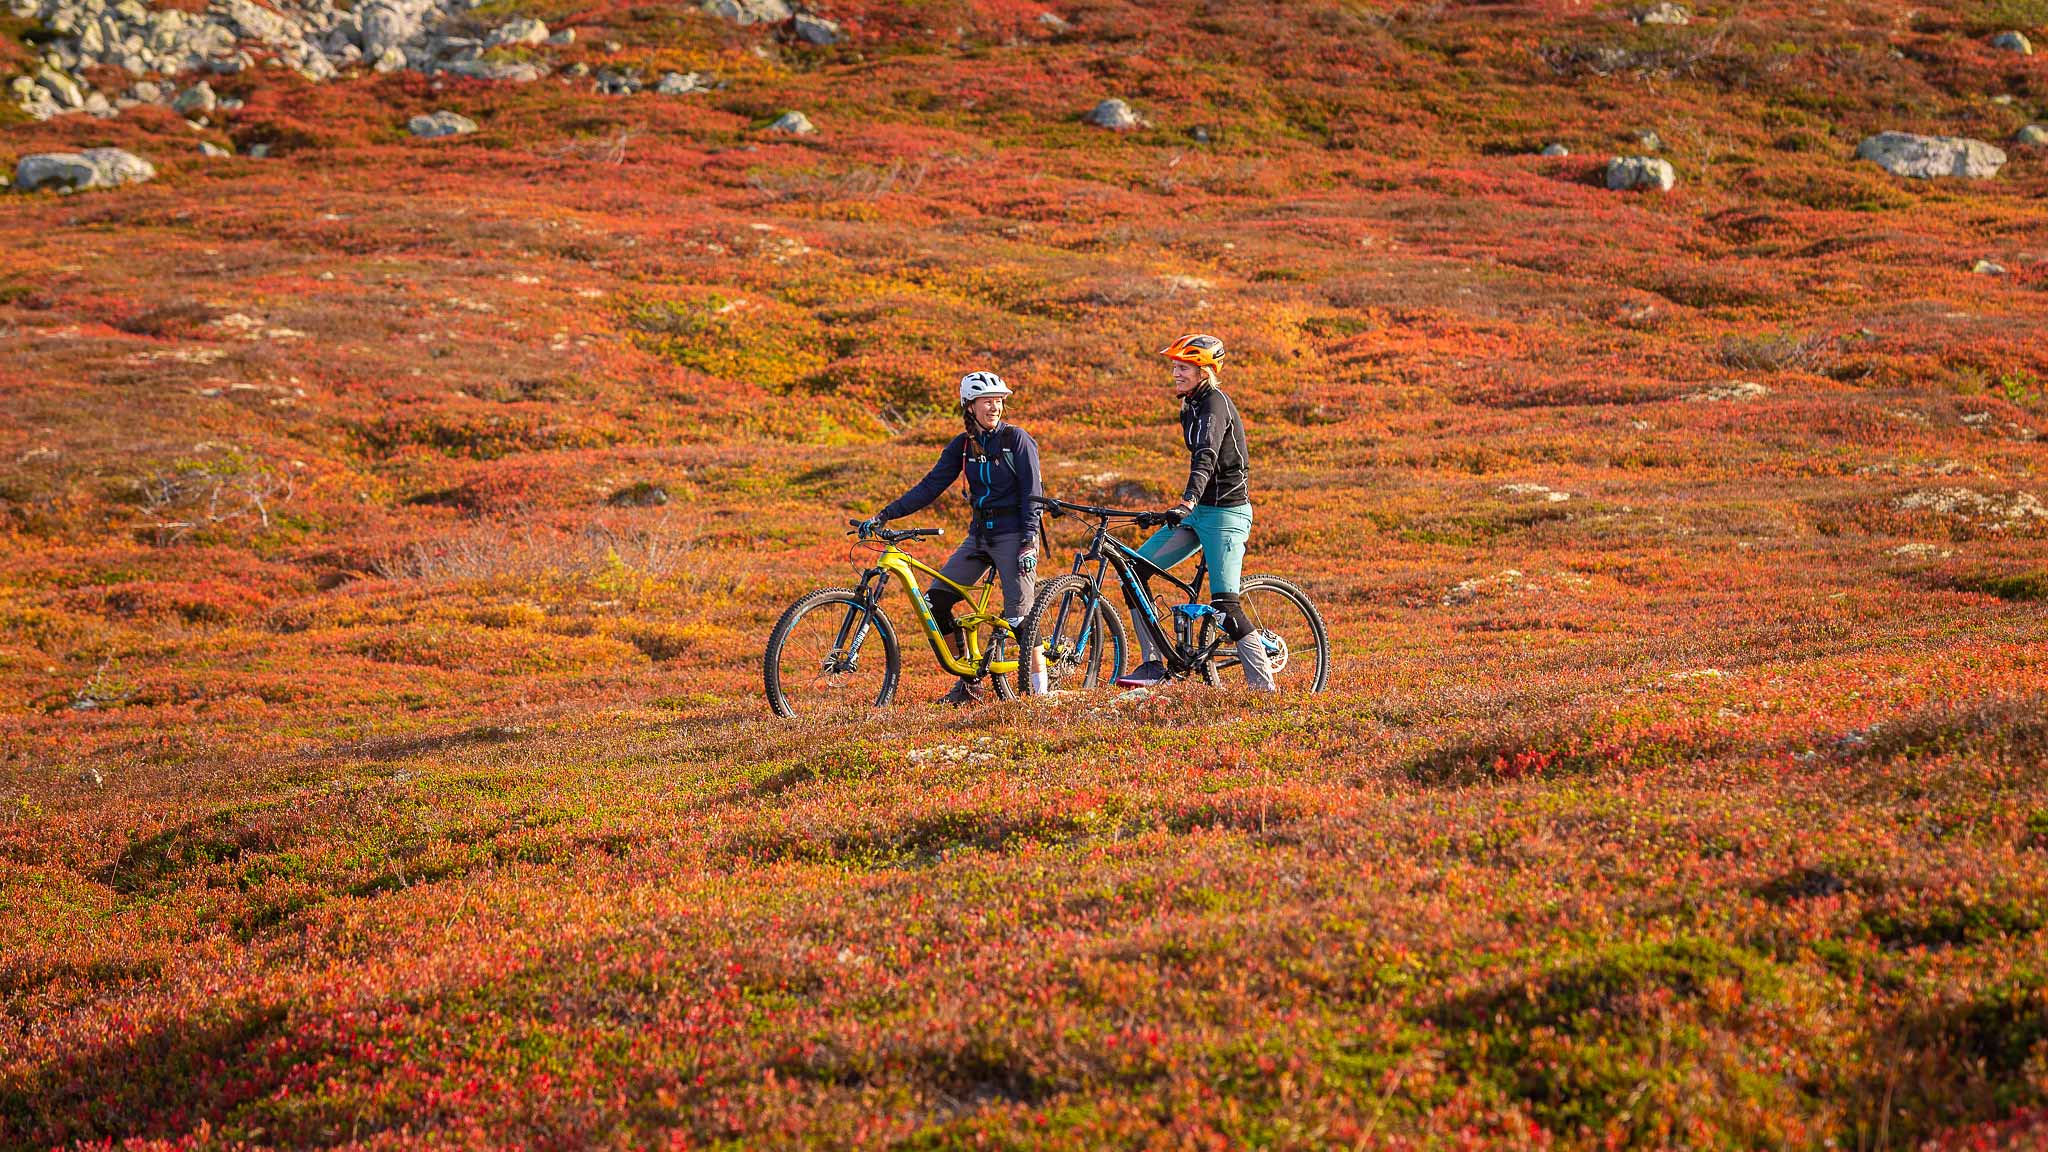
column 999, row 485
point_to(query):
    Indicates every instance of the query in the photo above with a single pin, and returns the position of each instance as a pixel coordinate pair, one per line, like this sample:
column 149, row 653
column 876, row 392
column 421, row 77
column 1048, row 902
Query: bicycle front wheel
column 1080, row 634
column 831, row 654
column 1292, row 629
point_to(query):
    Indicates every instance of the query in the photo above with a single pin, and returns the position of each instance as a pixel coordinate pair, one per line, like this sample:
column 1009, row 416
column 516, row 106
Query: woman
column 1215, row 510
column 1001, row 463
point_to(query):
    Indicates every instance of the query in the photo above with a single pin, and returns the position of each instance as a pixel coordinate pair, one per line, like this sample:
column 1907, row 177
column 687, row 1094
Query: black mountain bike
column 1070, row 614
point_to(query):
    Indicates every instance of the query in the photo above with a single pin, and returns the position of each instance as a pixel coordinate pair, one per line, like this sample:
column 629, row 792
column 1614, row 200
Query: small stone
column 614, row 46
column 1931, row 157
column 2013, row 42
column 1555, row 150
column 795, row 123
column 1115, row 115
column 1054, row 21
column 2033, row 136
column 198, row 100
column 1199, row 134
column 564, row 38
column 209, row 148
column 1649, row 141
column 1630, row 172
column 389, row 60
column 579, row 70
column 1988, row 268
column 435, row 125
column 816, row 29
column 259, row 151
column 1666, row 13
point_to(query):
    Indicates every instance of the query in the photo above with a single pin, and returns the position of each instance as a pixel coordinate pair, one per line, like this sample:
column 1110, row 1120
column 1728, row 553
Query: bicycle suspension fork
column 851, row 634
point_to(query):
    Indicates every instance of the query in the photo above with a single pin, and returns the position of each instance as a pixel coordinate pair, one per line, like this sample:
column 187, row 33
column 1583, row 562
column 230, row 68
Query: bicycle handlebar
column 893, row 536
column 1086, row 509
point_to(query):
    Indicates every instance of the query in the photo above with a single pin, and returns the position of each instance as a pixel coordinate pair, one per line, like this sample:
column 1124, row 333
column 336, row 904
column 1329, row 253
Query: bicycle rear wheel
column 1081, row 634
column 821, row 659
column 1293, row 631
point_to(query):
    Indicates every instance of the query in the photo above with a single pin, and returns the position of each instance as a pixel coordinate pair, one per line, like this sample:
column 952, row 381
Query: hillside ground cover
column 393, row 527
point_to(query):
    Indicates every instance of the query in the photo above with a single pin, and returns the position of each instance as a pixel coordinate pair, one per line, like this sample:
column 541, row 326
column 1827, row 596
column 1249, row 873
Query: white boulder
column 749, row 11
column 435, row 125
column 1115, row 115
column 78, row 171
column 516, row 33
column 1629, row 172
column 1931, row 157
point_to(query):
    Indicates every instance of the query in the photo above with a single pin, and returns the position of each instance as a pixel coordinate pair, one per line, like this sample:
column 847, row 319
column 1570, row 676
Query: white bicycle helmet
column 975, row 385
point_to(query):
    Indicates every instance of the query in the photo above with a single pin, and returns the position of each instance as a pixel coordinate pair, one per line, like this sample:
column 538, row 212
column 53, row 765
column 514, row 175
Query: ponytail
column 974, row 450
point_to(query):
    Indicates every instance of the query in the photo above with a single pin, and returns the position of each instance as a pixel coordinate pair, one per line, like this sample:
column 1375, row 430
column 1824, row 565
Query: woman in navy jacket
column 1000, row 462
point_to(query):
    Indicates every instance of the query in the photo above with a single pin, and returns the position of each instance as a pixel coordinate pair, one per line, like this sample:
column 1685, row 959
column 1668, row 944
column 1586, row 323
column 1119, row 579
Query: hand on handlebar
column 868, row 527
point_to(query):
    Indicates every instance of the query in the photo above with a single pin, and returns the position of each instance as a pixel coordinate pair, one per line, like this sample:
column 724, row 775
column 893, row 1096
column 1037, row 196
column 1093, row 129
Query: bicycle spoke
column 830, row 660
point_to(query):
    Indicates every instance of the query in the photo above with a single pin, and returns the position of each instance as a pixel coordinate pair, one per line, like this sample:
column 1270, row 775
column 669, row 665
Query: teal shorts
column 1218, row 533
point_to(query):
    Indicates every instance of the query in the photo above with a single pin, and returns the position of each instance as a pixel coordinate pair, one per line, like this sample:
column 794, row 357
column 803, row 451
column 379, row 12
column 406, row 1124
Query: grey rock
column 518, row 72
column 680, row 84
column 1555, row 150
column 816, row 29
column 749, row 11
column 1114, row 115
column 1630, row 172
column 521, row 31
column 2013, row 42
column 78, row 171
column 389, row 60
column 611, row 82
column 387, row 26
column 564, row 38
column 209, row 149
column 578, row 69
column 62, row 89
column 1054, row 21
column 2033, row 136
column 1665, row 13
column 1988, row 268
column 198, row 100
column 794, row 123
column 435, row 125
column 259, row 151
column 1931, row 157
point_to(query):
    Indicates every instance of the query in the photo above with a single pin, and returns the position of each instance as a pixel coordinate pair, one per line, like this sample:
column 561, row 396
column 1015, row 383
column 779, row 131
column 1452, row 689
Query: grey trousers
column 972, row 561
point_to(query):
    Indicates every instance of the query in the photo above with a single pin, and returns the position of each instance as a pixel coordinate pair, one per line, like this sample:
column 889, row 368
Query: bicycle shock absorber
column 1187, row 618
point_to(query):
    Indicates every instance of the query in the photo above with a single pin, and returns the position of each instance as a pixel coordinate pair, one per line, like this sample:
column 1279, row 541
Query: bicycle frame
column 905, row 567
column 1108, row 552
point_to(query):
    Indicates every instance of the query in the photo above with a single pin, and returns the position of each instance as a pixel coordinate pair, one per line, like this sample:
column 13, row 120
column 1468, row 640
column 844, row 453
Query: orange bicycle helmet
column 1198, row 349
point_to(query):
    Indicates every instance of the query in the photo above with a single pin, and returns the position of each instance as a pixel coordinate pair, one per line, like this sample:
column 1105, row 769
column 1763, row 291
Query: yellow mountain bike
column 835, row 651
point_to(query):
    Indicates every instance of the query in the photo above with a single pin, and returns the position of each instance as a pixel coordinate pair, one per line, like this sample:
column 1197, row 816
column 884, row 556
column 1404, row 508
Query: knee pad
column 1236, row 624
column 943, row 600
